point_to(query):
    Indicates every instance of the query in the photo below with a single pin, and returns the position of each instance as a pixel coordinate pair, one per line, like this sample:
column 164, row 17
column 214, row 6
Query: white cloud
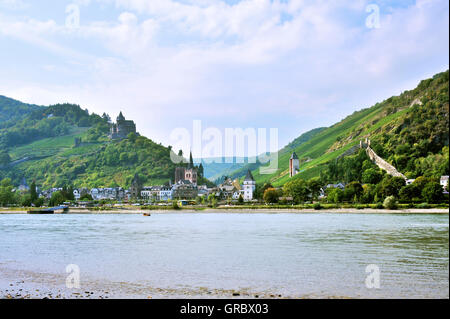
column 13, row 4
column 166, row 62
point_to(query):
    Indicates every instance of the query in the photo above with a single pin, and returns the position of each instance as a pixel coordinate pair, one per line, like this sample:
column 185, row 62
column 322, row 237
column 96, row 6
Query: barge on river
column 50, row 211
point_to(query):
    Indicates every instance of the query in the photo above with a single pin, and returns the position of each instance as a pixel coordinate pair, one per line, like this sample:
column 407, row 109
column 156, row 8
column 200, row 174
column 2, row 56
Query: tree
column 390, row 186
column 420, row 183
column 352, row 190
column 390, row 203
column 335, row 195
column 297, row 189
column 6, row 195
column 432, row 192
column 201, row 171
column 271, row 196
column 86, row 197
column 408, row 192
column 132, row 137
column 57, row 199
column 106, row 118
column 33, row 193
column 371, row 176
column 26, row 201
column 314, row 186
column 240, row 199
column 5, row 159
column 368, row 193
column 259, row 192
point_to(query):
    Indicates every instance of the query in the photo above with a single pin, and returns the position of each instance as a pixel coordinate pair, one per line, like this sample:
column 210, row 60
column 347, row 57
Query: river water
column 211, row 255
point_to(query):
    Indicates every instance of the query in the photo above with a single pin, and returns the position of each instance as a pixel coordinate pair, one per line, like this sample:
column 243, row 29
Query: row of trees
column 8, row 197
column 423, row 189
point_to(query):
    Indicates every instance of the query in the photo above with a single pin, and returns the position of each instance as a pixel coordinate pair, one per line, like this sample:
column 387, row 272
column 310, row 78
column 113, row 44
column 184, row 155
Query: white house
column 146, row 192
column 76, row 194
column 444, row 182
column 249, row 186
column 165, row 194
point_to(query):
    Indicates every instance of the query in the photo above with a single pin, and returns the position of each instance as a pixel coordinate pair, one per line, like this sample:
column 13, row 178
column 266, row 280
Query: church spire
column 191, row 161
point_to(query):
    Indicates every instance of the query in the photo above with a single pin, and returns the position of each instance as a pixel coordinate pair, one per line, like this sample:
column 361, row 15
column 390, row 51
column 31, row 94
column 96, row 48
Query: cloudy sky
column 287, row 64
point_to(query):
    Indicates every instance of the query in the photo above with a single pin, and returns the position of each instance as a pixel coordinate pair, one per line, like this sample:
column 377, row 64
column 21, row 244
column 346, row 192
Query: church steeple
column 121, row 117
column 191, row 161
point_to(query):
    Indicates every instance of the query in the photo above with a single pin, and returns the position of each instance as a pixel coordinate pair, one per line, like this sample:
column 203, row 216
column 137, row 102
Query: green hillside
column 65, row 145
column 12, row 111
column 418, row 117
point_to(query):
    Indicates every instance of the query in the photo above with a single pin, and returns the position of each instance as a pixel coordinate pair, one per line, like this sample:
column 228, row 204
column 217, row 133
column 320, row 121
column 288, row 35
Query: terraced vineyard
column 379, row 122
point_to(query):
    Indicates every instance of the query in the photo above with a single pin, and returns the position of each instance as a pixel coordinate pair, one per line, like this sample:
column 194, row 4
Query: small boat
column 41, row 212
column 147, row 214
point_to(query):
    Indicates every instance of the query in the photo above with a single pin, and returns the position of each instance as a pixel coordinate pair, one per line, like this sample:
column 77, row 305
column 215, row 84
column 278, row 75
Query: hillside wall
column 381, row 163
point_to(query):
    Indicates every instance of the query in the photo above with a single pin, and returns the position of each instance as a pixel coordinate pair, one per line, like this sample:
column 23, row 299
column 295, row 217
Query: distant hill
column 409, row 131
column 215, row 168
column 285, row 151
column 12, row 111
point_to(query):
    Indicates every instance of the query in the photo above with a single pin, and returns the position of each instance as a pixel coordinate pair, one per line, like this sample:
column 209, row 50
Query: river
column 216, row 255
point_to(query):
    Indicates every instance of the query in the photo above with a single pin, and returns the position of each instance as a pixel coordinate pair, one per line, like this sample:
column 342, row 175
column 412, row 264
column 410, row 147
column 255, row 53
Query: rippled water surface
column 295, row 255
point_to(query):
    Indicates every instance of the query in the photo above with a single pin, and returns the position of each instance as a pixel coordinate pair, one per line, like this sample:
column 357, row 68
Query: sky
column 293, row 65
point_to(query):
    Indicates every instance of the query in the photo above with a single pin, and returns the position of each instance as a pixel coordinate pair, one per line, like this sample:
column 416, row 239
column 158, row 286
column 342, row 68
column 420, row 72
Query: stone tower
column 294, row 165
column 136, row 187
column 249, row 186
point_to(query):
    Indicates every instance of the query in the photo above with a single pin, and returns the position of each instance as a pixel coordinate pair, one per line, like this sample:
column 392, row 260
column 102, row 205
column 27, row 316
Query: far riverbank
column 229, row 210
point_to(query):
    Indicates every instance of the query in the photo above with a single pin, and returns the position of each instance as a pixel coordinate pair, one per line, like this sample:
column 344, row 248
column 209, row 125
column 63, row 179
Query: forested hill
column 410, row 131
column 64, row 144
column 12, row 111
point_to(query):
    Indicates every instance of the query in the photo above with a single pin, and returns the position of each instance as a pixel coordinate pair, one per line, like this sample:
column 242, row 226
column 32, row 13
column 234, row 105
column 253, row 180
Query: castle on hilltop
column 122, row 128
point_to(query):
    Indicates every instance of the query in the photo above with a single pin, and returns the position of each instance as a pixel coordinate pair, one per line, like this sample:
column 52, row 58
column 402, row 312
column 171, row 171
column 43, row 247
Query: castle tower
column 294, row 165
column 122, row 128
column 249, row 186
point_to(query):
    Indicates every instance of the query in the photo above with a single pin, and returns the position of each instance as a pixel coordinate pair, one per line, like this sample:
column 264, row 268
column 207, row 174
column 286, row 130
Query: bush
column 379, row 205
column 174, row 204
column 361, row 206
column 390, row 203
column 423, row 205
column 317, row 206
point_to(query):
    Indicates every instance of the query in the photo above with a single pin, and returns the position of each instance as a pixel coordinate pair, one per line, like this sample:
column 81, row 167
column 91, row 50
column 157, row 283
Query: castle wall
column 381, row 163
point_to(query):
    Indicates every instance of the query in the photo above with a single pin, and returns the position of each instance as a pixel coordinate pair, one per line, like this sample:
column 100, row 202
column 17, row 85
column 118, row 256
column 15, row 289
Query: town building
column 294, row 165
column 189, row 174
column 184, row 190
column 249, row 186
column 444, row 182
column 229, row 188
column 23, row 187
column 165, row 193
column 122, row 128
column 136, row 187
column 338, row 185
